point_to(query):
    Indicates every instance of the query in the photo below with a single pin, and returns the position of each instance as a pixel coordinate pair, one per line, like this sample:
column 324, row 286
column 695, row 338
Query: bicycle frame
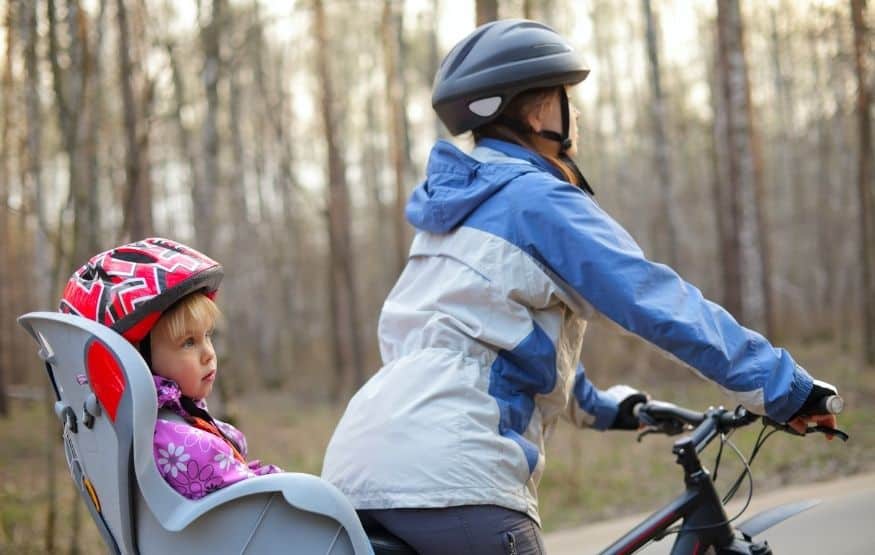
column 705, row 523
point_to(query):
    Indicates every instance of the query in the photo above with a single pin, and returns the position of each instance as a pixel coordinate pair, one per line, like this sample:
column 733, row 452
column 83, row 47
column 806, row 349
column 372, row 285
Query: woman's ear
column 533, row 119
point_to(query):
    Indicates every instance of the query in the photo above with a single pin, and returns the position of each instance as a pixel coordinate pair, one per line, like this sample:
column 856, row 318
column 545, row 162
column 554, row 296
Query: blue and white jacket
column 481, row 337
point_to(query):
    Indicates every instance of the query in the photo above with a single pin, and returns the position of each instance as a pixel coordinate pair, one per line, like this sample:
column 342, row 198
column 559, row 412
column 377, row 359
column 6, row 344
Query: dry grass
column 589, row 475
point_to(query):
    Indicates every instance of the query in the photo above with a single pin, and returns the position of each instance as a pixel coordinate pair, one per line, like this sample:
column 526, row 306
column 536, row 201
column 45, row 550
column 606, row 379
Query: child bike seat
column 107, row 404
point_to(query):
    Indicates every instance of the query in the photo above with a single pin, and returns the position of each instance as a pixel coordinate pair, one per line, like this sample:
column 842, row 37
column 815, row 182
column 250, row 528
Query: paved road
column 843, row 524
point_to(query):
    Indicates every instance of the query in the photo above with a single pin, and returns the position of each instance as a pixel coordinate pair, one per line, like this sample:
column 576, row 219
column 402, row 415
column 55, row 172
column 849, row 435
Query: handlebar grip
column 637, row 409
column 831, row 404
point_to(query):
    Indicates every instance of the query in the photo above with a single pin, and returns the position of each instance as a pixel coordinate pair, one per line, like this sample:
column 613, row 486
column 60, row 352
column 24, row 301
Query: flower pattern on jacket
column 193, row 461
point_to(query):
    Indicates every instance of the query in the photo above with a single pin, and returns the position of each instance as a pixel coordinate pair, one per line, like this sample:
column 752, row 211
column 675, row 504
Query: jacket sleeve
column 597, row 260
column 590, row 407
column 195, row 462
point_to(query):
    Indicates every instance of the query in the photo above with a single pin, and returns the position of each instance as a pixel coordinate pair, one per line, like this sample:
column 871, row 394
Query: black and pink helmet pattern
column 128, row 288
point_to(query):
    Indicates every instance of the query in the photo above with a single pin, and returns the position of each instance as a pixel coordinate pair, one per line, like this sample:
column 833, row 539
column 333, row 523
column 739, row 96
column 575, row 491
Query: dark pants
column 474, row 530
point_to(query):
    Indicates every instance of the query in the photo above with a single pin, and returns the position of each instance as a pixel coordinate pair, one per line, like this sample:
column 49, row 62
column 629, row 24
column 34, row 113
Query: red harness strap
column 207, row 426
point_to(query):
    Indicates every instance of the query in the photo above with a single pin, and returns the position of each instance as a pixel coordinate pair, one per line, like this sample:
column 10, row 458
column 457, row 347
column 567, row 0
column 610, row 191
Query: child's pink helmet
column 128, row 288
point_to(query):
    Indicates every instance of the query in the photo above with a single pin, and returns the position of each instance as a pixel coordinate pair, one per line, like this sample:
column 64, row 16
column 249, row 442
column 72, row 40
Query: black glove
column 626, row 419
column 812, row 404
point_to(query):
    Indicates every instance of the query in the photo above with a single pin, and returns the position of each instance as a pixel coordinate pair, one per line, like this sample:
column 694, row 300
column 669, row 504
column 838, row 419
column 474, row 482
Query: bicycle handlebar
column 832, row 404
column 670, row 419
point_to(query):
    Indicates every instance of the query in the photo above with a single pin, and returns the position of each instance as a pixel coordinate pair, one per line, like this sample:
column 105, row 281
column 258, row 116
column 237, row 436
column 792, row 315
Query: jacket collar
column 169, row 396
column 513, row 150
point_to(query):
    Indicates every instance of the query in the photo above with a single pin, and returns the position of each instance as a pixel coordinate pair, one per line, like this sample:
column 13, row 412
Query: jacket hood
column 456, row 183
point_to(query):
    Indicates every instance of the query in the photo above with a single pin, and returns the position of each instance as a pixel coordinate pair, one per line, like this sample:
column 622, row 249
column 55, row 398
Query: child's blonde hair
column 179, row 318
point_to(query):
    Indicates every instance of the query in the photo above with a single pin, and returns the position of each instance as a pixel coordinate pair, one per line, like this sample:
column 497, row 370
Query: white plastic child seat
column 107, row 403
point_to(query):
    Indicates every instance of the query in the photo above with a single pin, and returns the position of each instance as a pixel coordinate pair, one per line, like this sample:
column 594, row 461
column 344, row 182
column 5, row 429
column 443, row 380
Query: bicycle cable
column 723, row 437
column 746, row 472
column 760, row 441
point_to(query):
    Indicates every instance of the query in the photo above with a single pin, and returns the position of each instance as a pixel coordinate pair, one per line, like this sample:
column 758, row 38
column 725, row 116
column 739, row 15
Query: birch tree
column 748, row 260
column 69, row 85
column 5, row 181
column 40, row 263
column 397, row 111
column 343, row 300
column 661, row 145
column 92, row 135
column 274, row 115
column 183, row 132
column 865, row 183
column 138, row 195
column 205, row 195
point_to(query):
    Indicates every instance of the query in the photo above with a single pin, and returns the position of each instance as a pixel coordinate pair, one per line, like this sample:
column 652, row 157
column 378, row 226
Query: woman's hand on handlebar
column 800, row 424
column 629, row 398
column 818, row 410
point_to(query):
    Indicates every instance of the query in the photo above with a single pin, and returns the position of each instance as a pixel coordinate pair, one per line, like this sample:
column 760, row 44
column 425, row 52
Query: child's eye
column 189, row 342
column 210, row 332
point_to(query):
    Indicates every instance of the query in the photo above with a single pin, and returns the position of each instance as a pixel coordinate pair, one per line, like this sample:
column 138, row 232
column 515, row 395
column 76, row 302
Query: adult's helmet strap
column 563, row 139
column 521, row 127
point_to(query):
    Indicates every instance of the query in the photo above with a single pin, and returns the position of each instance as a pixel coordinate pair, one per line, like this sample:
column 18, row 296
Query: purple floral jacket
column 194, row 461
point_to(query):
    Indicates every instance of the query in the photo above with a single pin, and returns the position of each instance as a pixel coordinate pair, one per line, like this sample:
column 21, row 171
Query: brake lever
column 647, row 431
column 829, row 431
column 809, row 430
column 781, row 426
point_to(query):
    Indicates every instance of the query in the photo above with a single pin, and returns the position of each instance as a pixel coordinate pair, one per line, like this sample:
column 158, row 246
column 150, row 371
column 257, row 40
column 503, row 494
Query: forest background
column 732, row 139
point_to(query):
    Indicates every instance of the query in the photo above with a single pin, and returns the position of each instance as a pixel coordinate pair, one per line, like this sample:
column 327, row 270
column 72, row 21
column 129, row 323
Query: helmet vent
column 465, row 49
column 135, row 257
column 93, row 272
column 485, row 107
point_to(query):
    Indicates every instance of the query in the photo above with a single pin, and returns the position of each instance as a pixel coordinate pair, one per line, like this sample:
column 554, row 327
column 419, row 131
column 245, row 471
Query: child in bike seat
column 159, row 295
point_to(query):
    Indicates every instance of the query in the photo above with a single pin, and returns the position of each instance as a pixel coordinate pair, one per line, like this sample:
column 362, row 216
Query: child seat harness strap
column 201, row 419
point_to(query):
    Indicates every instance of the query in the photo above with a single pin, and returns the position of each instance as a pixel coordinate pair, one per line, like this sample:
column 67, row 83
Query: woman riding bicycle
column 481, row 335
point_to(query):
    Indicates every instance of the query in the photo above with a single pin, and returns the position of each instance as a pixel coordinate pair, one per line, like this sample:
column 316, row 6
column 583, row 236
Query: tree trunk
column 69, row 85
column 827, row 256
column 205, row 196
column 276, row 101
column 396, row 108
column 724, row 208
column 238, row 177
column 92, row 153
column 661, row 147
column 744, row 171
column 865, row 183
column 381, row 265
column 486, row 11
column 342, row 285
column 605, row 49
column 790, row 207
column 434, row 62
column 29, row 37
column 186, row 148
column 138, row 199
column 5, row 181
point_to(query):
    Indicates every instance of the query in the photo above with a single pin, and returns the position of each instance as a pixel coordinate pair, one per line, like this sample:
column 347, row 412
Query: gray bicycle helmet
column 496, row 62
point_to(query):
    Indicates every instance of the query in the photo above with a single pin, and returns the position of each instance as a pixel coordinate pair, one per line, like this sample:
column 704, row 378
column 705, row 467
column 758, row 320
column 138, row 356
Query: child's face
column 189, row 360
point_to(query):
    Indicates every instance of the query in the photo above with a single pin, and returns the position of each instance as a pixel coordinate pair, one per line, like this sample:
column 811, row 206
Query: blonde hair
column 518, row 109
column 195, row 308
